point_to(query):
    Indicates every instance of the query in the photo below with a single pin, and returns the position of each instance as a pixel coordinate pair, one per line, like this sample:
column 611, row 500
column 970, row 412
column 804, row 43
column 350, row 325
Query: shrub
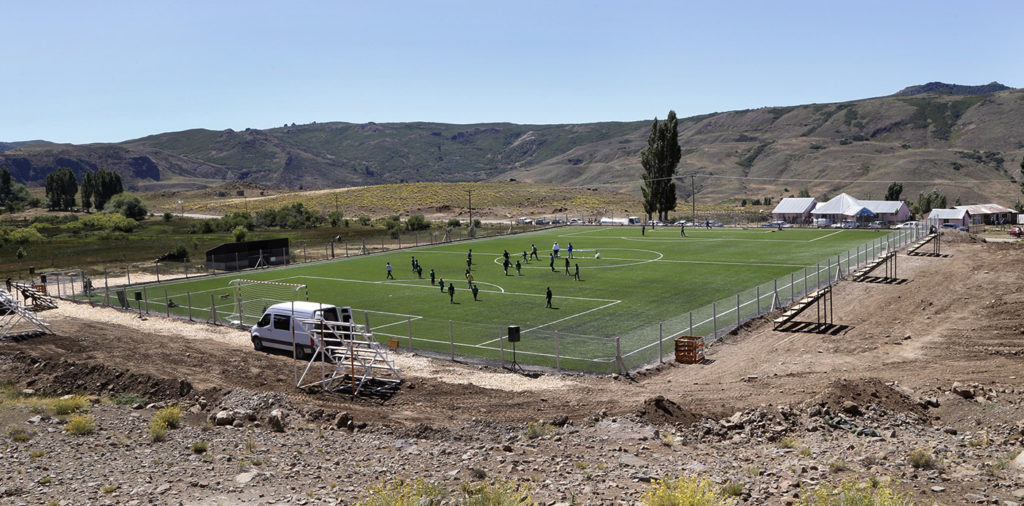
column 498, row 493
column 130, row 399
column 68, row 405
column 200, row 447
column 732, row 489
column 25, row 235
column 168, row 216
column 855, row 494
column 364, row 220
column 127, row 205
column 689, row 490
column 170, row 415
column 20, row 254
column 921, row 458
column 454, row 223
column 535, row 430
column 158, row 431
column 239, row 233
column 404, row 493
column 837, row 466
column 109, row 488
column 19, row 435
column 80, row 425
column 788, row 443
column 417, row 222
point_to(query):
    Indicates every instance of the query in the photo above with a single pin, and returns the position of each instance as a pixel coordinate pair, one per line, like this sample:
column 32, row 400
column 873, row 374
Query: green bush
column 72, row 404
column 26, row 235
column 689, row 491
column 454, row 223
column 171, row 416
column 200, row 447
column 496, row 493
column 239, row 233
column 19, row 435
column 158, row 431
column 405, row 493
column 127, row 205
column 851, row 493
column 921, row 458
column 417, row 222
column 80, row 425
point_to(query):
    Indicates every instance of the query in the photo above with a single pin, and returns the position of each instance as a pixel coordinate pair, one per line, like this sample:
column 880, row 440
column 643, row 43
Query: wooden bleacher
column 801, row 305
column 930, row 238
column 862, row 273
column 36, row 294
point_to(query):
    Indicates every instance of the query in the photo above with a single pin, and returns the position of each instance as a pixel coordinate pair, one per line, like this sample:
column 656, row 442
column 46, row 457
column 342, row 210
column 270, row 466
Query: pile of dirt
column 66, row 376
column 845, row 395
column 658, row 410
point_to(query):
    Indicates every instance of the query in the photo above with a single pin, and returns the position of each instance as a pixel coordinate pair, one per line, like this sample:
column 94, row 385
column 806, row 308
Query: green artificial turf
column 639, row 282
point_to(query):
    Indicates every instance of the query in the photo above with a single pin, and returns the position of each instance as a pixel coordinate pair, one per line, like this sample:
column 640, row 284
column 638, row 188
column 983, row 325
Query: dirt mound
column 661, row 410
column 863, row 393
column 65, row 376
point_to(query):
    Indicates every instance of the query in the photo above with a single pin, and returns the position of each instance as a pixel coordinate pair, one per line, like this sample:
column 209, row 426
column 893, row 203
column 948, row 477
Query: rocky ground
column 922, row 386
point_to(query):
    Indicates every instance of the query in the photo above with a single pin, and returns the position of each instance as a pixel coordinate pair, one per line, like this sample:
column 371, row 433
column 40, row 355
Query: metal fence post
column 167, row 303
column 805, row 280
column 737, row 310
column 145, row 296
column 714, row 318
column 661, row 350
column 188, row 301
column 757, row 291
column 792, row 290
column 618, row 355
column 558, row 354
column 128, row 273
column 213, row 311
column 691, row 323
column 451, row 340
column 501, row 346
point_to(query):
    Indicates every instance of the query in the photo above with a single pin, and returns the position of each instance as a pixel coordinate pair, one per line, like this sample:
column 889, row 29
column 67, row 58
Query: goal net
column 253, row 297
column 66, row 284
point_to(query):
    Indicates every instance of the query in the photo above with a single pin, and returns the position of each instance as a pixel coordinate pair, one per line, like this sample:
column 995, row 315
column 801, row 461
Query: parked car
column 879, row 224
column 849, row 224
column 524, row 221
column 907, row 224
column 557, row 221
column 955, row 226
column 575, row 221
column 1017, row 232
column 657, row 223
column 542, row 221
column 714, row 223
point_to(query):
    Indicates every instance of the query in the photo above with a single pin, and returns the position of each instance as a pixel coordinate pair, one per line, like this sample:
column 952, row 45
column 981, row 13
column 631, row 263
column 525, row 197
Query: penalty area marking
column 824, row 236
column 485, row 343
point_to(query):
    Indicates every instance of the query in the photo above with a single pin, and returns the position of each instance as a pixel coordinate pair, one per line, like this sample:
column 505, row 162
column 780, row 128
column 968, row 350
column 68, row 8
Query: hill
column 927, row 133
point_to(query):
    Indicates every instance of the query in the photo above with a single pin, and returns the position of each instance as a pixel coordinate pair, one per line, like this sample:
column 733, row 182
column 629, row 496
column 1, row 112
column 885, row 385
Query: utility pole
column 335, row 202
column 693, row 200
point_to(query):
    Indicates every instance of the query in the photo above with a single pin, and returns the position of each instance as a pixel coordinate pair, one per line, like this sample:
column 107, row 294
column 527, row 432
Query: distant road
column 198, row 216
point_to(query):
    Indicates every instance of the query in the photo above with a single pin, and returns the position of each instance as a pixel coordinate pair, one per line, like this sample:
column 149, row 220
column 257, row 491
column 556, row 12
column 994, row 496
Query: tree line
column 97, row 188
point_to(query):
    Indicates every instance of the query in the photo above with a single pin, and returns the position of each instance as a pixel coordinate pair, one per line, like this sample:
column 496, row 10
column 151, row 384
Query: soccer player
column 682, row 230
column 431, row 277
column 525, row 258
column 419, row 270
column 469, row 259
column 441, row 283
column 533, row 252
column 554, row 249
column 414, row 264
column 570, row 250
column 451, row 293
column 547, row 297
column 388, row 267
column 475, row 291
column 505, row 265
column 519, row 268
column 567, row 266
column 469, row 278
column 577, row 275
column 552, row 262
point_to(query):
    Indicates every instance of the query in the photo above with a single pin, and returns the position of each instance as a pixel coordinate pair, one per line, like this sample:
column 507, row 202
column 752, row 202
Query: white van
column 274, row 329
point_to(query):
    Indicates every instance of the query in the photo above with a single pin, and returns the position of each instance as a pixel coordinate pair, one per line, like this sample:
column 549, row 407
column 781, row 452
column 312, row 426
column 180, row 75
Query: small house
column 794, row 209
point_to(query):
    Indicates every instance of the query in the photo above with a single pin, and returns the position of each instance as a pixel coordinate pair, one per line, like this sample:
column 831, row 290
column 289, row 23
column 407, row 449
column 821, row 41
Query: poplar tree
column 659, row 160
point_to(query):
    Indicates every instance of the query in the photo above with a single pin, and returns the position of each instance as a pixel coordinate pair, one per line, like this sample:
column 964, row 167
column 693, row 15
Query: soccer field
column 639, row 282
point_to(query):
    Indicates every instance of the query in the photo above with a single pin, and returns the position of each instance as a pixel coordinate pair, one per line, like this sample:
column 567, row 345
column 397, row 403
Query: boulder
column 223, row 418
column 276, row 420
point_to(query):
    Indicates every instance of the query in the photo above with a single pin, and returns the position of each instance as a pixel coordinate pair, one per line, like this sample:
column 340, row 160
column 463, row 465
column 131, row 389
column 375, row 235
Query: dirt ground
column 955, row 318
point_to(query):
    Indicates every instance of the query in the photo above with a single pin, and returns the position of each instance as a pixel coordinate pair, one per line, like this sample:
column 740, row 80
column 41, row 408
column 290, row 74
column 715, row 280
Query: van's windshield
column 330, row 314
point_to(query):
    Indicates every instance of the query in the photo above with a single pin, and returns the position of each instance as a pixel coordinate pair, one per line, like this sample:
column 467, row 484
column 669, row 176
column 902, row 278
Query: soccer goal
column 253, row 297
column 66, row 284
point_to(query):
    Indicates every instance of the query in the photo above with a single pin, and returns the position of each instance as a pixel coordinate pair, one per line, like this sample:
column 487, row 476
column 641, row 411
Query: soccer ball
column 597, row 255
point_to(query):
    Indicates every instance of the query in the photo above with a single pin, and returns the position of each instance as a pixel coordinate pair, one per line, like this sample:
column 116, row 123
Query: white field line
column 730, row 263
column 558, row 320
column 824, row 236
column 521, row 352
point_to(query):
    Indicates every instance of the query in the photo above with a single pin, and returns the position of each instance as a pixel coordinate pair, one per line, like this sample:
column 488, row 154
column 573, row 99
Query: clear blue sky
column 111, row 70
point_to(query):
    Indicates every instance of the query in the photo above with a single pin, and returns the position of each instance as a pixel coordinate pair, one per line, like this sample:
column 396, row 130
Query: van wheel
column 301, row 352
column 257, row 343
